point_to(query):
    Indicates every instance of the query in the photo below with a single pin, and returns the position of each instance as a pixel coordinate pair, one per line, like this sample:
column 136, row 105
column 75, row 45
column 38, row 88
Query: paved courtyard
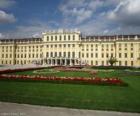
column 14, row 109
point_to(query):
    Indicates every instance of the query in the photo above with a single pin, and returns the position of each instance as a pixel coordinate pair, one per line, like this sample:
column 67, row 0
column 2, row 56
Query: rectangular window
column 69, row 37
column 125, row 63
column 91, row 62
column 47, row 38
column 120, row 63
column 55, row 38
column 51, row 38
column 69, row 54
column 64, row 37
column 132, row 63
column 55, row 54
column 73, row 54
column 125, row 55
column 96, row 55
column 120, row 55
column 102, row 55
column 51, row 55
column 60, row 37
column 59, row 54
column 102, row 63
column 73, row 37
column 47, row 54
column 96, row 62
column 83, row 55
column 64, row 54
column 131, row 55
column 91, row 55
column 107, row 55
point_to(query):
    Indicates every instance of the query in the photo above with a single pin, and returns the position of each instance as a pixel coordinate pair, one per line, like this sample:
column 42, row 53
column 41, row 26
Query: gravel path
column 14, row 109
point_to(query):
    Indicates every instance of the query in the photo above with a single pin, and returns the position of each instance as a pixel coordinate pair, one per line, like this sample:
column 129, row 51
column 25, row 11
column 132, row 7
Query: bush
column 114, row 67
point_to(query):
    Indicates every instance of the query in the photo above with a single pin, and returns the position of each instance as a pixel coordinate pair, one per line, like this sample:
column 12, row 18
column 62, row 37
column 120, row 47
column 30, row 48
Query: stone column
column 65, row 62
column 56, row 62
column 70, row 62
column 60, row 61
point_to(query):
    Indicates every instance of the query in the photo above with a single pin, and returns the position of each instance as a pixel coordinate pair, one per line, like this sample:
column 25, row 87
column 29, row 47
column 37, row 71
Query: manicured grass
column 77, row 96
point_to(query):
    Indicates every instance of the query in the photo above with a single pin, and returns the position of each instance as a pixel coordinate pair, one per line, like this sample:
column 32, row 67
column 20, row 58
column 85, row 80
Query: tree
column 112, row 60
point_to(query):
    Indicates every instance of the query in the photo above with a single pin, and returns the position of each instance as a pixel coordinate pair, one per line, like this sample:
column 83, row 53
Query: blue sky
column 29, row 18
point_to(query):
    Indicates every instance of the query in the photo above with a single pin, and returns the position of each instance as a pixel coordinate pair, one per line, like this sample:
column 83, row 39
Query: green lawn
column 77, row 96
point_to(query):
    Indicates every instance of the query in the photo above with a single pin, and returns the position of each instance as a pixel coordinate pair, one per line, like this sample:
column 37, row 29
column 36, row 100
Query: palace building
column 69, row 47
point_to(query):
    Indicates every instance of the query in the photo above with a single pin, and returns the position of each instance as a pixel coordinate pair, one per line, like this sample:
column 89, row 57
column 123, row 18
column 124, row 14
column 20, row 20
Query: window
column 73, row 37
column 131, row 55
column 102, row 55
column 107, row 55
column 125, row 45
column 55, row 54
column 120, row 63
column 47, row 54
column 91, row 55
column 83, row 55
column 96, row 55
column 55, row 38
column 51, row 55
column 96, row 62
column 125, row 63
column 87, row 55
column 103, row 63
column 68, row 54
column 79, row 54
column 64, row 37
column 60, row 37
column 51, row 38
column 64, row 54
column 125, row 55
column 59, row 54
column 120, row 55
column 131, row 44
column 69, row 37
column 47, row 38
column 73, row 54
column 91, row 62
column 132, row 63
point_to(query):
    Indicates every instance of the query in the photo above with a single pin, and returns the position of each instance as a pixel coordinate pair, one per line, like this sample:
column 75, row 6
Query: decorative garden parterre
column 55, row 79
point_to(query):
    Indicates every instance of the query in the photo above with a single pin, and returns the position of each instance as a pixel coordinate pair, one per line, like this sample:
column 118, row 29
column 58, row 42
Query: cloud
column 1, row 35
column 127, row 12
column 6, row 18
column 6, row 3
column 79, row 11
column 33, row 29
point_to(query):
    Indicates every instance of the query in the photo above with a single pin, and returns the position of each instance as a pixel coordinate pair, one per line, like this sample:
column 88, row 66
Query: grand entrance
column 62, row 61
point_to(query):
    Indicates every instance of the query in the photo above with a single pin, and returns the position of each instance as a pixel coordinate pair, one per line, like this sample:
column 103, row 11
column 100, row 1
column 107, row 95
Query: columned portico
column 61, row 61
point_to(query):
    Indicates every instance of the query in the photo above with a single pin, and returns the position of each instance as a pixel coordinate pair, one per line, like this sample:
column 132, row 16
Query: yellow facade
column 70, row 48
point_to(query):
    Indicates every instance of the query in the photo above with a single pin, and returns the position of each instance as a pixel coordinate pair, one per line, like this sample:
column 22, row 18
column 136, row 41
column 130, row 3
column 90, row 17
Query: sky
column 29, row 18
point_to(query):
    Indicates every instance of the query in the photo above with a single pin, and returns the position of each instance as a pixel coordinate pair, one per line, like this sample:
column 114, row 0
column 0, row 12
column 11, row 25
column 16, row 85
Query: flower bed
column 19, row 70
column 67, row 69
column 73, row 80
